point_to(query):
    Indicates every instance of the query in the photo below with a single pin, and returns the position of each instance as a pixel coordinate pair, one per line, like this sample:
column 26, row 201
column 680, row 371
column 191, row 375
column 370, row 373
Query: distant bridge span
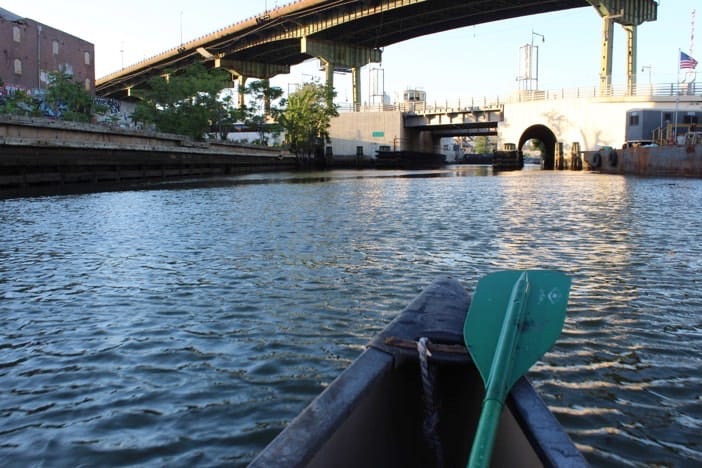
column 347, row 34
column 574, row 120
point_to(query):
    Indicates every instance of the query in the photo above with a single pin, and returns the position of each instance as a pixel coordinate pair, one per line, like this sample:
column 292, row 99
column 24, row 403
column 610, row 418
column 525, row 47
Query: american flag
column 686, row 61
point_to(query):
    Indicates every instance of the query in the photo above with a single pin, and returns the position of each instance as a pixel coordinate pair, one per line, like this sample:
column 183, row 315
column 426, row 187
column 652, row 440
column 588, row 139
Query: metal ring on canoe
column 613, row 158
column 596, row 160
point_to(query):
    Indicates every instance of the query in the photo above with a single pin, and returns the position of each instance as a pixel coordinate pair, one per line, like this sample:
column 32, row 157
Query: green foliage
column 187, row 103
column 19, row 103
column 536, row 146
column 307, row 118
column 262, row 115
column 70, row 98
column 481, row 144
column 67, row 99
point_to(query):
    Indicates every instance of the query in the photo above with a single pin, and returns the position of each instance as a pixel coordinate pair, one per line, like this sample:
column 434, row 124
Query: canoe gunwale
column 437, row 313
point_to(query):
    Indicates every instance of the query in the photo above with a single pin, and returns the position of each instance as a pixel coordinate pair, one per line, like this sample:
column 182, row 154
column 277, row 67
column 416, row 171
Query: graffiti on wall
column 113, row 115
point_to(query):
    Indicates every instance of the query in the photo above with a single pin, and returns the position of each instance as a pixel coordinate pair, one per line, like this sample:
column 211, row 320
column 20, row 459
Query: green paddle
column 506, row 333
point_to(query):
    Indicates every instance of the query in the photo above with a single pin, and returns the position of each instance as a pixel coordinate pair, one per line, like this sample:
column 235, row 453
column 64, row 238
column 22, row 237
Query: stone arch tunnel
column 545, row 136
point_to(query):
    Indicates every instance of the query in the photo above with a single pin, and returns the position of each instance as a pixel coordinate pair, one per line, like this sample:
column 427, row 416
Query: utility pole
column 649, row 68
column 543, row 39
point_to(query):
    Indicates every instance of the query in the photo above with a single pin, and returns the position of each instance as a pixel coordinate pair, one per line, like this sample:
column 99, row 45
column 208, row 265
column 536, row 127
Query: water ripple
column 187, row 324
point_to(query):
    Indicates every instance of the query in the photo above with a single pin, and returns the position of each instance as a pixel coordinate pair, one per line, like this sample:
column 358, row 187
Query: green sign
column 378, row 134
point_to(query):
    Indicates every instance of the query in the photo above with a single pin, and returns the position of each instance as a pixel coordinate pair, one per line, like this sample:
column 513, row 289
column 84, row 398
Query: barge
column 661, row 143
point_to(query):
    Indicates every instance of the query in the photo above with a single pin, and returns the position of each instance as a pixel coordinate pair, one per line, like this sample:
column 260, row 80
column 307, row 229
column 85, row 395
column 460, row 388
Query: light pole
column 649, row 68
column 181, row 28
column 531, row 51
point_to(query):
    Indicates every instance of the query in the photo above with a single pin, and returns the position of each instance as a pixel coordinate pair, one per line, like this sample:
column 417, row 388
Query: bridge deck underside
column 274, row 38
column 381, row 25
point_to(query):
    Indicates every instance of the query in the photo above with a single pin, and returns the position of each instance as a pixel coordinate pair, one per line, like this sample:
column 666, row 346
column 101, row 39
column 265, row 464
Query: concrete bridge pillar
column 341, row 56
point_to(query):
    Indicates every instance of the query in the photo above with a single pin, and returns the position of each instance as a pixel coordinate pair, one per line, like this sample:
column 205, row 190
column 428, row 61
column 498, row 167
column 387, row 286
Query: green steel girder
column 627, row 12
column 344, row 56
column 252, row 69
column 340, row 55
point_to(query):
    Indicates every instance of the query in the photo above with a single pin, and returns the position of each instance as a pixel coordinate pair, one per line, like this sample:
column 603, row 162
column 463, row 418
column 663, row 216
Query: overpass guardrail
column 653, row 92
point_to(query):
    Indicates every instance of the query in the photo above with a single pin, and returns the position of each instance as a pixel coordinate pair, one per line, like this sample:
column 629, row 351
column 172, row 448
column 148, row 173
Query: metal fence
column 662, row 91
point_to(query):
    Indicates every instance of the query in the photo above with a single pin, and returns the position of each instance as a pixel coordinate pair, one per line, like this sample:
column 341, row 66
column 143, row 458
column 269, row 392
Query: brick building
column 29, row 51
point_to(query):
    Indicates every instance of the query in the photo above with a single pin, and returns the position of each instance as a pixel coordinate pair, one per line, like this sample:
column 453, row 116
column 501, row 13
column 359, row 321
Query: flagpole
column 677, row 101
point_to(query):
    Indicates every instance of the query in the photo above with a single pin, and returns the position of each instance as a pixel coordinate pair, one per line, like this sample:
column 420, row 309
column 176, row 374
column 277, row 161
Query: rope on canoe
column 431, row 410
column 432, row 347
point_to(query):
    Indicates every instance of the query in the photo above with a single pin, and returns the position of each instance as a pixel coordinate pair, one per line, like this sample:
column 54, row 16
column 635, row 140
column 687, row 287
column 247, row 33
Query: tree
column 480, row 144
column 262, row 115
column 307, row 118
column 187, row 103
column 69, row 100
column 226, row 115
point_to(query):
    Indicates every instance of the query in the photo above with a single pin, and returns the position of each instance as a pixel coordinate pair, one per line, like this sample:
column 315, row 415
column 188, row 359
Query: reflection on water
column 186, row 322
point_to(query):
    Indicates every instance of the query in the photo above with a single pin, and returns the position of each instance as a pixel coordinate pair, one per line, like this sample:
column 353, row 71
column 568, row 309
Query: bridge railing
column 652, row 90
column 668, row 91
column 481, row 104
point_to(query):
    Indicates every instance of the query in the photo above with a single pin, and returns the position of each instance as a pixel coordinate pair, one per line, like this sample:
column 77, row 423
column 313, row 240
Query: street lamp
column 531, row 51
column 649, row 68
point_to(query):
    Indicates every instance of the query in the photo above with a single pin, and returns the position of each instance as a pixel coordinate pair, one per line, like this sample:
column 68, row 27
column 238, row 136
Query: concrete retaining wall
column 44, row 151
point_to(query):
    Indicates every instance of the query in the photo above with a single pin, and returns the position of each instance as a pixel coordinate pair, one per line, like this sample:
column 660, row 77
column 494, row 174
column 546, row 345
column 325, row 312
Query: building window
column 87, row 84
column 87, row 58
column 16, row 34
column 18, row 67
column 55, row 47
column 66, row 68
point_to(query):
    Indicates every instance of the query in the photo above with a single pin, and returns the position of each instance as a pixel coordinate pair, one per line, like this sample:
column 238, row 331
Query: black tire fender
column 613, row 158
column 596, row 160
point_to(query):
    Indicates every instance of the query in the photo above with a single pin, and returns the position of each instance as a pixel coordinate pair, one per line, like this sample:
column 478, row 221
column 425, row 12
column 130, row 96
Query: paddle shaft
column 485, row 436
column 497, row 385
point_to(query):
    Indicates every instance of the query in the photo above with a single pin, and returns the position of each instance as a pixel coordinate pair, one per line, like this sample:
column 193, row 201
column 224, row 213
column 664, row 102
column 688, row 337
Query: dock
column 40, row 151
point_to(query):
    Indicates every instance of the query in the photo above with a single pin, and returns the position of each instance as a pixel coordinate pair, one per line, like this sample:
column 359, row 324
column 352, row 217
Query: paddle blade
column 542, row 323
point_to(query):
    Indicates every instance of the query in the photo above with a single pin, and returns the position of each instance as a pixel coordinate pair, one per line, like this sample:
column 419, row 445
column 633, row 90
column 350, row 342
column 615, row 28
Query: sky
column 466, row 63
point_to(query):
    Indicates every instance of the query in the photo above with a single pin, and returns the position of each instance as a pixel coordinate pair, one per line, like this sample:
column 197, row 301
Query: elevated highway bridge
column 348, row 34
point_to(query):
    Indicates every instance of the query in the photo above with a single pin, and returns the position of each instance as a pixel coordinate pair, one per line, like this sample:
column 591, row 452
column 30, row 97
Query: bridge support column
column 341, row 56
column 241, row 88
column 244, row 70
column 631, row 37
column 629, row 14
column 329, row 80
column 606, row 60
column 356, row 92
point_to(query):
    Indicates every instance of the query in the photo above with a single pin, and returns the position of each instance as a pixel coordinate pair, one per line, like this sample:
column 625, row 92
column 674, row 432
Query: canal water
column 184, row 324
